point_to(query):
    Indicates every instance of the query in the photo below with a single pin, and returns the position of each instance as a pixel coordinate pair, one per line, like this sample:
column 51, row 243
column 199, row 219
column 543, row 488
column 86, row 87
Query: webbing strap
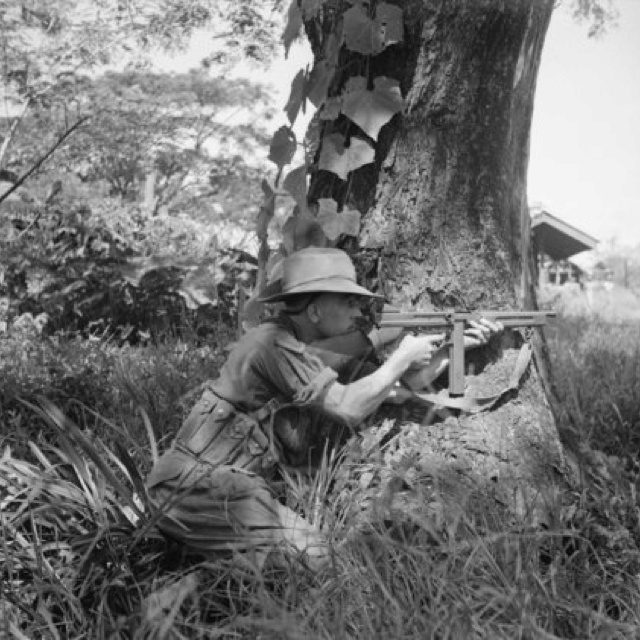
column 472, row 404
column 267, row 410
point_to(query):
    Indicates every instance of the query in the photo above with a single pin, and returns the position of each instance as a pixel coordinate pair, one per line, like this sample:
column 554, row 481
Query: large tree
column 423, row 129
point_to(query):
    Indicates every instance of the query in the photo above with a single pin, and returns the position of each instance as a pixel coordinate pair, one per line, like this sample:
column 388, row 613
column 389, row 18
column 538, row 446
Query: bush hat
column 315, row 270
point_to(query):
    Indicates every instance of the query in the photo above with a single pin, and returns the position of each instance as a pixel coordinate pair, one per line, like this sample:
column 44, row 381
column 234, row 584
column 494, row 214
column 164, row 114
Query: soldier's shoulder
column 270, row 335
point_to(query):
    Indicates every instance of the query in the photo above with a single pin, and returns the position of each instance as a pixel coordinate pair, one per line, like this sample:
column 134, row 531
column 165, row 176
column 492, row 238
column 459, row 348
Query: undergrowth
column 80, row 557
column 102, row 385
column 596, row 367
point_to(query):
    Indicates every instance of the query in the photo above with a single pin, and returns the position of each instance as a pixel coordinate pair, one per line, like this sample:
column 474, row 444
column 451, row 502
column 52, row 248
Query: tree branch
column 43, row 159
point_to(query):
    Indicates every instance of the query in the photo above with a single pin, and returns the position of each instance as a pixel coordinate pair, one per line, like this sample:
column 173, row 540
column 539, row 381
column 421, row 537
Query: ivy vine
column 366, row 29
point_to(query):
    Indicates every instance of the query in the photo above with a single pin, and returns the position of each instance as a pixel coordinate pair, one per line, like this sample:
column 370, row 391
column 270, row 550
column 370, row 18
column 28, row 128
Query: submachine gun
column 453, row 323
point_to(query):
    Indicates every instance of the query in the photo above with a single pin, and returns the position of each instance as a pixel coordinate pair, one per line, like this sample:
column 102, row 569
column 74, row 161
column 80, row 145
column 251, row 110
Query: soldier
column 276, row 387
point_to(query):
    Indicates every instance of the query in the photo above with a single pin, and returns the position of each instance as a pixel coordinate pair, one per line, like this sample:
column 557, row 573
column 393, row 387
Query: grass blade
column 54, row 416
column 150, row 434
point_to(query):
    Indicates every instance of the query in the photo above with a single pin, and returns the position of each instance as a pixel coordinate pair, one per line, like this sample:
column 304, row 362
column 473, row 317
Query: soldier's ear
column 313, row 312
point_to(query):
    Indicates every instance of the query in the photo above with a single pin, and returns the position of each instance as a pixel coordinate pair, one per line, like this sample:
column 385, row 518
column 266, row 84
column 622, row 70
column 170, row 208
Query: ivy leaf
column 294, row 24
column 288, row 232
column 356, row 83
column 265, row 216
column 328, row 218
column 283, row 146
column 338, row 159
column 350, row 222
column 319, row 80
column 335, row 224
column 296, row 96
column 370, row 37
column 267, row 190
column 371, row 110
column 267, row 209
column 324, row 70
column 296, row 184
column 389, row 17
column 302, row 230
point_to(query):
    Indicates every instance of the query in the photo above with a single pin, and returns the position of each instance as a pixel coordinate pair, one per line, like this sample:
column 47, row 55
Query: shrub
column 116, row 271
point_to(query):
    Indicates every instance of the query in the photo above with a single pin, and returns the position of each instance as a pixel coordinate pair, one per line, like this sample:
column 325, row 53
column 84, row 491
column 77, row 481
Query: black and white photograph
column 320, row 319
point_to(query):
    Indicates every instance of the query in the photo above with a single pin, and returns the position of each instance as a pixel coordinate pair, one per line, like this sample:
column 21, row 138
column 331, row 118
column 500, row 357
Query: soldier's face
column 335, row 313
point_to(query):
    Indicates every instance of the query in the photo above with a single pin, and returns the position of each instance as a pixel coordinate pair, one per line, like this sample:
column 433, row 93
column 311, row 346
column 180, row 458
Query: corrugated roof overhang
column 557, row 239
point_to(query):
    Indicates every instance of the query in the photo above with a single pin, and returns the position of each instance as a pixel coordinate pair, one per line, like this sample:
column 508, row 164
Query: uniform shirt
column 269, row 364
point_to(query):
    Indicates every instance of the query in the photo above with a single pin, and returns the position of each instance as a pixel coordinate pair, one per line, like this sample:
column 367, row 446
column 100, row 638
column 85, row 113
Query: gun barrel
column 443, row 319
column 406, row 319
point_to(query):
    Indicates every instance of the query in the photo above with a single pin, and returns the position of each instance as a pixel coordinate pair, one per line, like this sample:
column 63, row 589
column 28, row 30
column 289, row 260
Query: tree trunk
column 445, row 214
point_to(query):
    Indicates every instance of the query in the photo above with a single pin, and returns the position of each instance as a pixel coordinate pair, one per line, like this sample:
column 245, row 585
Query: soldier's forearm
column 355, row 401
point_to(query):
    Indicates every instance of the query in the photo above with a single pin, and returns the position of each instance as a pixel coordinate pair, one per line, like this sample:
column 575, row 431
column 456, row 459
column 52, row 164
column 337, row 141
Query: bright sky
column 585, row 140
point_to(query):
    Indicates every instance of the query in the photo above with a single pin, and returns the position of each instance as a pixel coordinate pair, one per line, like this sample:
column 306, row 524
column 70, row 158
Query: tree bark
column 445, row 214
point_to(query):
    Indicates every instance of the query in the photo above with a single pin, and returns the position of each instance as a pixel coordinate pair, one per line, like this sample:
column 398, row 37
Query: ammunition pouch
column 215, row 433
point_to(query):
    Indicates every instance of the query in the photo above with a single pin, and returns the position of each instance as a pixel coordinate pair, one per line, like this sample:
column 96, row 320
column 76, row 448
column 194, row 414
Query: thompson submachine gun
column 453, row 322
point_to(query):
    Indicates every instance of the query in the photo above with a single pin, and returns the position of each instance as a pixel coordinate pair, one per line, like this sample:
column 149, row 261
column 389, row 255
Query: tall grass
column 80, row 558
column 596, row 366
column 102, row 385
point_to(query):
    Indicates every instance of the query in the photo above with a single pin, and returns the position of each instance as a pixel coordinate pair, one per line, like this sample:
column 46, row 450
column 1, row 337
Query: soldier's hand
column 480, row 332
column 418, row 350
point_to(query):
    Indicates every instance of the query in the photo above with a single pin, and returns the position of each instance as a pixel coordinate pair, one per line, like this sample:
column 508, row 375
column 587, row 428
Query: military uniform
column 213, row 484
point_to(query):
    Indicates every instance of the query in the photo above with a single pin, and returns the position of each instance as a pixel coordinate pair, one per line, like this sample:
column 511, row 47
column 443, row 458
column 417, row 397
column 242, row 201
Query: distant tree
column 165, row 127
column 47, row 44
column 623, row 263
column 598, row 15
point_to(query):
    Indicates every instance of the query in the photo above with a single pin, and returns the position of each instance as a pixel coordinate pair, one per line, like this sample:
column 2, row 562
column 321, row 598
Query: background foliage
column 122, row 191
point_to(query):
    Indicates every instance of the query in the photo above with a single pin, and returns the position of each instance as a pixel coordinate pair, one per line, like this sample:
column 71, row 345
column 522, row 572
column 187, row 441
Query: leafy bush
column 99, row 272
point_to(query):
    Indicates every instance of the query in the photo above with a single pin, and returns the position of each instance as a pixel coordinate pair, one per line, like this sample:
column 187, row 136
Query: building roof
column 557, row 239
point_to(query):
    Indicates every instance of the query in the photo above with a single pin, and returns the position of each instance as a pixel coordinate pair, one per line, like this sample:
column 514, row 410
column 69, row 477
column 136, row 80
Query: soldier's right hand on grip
column 418, row 350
